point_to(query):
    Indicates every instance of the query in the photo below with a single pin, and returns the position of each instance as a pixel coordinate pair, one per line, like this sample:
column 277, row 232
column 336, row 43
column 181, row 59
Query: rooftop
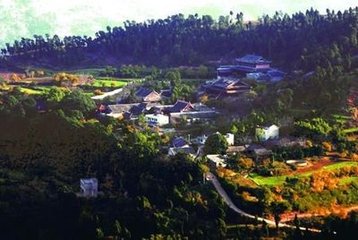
column 143, row 92
column 250, row 58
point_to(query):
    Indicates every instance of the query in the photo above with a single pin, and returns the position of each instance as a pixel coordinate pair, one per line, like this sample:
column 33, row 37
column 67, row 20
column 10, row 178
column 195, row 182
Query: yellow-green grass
column 118, row 79
column 351, row 130
column 348, row 180
column 30, row 91
column 279, row 180
column 109, row 83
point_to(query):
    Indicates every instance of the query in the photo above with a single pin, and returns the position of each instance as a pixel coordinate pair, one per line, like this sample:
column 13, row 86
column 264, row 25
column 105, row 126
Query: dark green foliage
column 215, row 144
column 303, row 40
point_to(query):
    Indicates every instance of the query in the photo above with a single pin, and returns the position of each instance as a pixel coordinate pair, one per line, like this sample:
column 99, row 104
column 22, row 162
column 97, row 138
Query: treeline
column 302, row 40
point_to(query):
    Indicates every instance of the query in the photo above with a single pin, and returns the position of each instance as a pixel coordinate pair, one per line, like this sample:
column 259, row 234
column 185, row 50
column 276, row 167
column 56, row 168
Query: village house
column 157, row 119
column 200, row 140
column 127, row 111
column 246, row 64
column 230, row 138
column 89, row 187
column 216, row 160
column 180, row 145
column 272, row 75
column 146, row 95
column 252, row 63
column 196, row 112
column 181, row 106
column 226, row 87
column 267, row 132
column 258, row 152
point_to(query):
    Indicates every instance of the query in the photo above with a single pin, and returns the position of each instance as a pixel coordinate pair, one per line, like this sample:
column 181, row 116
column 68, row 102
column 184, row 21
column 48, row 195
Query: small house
column 227, row 86
column 267, row 132
column 181, row 106
column 186, row 150
column 157, row 119
column 216, row 160
column 230, row 138
column 147, row 95
column 200, row 140
column 89, row 187
column 252, row 63
column 179, row 142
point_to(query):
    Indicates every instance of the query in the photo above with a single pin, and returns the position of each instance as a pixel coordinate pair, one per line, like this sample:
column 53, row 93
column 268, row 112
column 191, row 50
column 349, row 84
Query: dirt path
column 212, row 178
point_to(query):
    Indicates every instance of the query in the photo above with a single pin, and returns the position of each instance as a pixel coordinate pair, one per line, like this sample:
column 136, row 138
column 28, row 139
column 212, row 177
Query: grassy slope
column 279, row 180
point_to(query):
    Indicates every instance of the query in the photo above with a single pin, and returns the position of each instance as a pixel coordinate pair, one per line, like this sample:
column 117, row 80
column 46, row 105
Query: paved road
column 107, row 94
column 212, row 178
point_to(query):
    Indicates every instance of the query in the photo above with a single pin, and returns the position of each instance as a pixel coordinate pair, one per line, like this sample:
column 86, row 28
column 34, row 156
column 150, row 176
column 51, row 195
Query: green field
column 348, row 180
column 279, row 180
column 351, row 130
column 109, row 82
column 30, row 91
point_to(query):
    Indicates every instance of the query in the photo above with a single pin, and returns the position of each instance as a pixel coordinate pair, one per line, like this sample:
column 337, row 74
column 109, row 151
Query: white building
column 200, row 139
column 89, row 187
column 230, row 139
column 157, row 119
column 266, row 133
column 216, row 160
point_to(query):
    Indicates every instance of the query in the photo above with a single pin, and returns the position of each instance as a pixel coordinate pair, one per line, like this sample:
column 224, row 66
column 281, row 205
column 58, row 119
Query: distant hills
column 300, row 41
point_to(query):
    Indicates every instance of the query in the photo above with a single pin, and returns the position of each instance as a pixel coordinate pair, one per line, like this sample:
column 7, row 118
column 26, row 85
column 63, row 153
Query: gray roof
column 143, row 92
column 250, row 58
column 179, row 106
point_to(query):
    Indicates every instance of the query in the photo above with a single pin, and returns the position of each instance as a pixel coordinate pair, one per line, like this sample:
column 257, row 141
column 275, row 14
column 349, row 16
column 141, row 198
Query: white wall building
column 266, row 133
column 230, row 139
column 157, row 119
column 216, row 160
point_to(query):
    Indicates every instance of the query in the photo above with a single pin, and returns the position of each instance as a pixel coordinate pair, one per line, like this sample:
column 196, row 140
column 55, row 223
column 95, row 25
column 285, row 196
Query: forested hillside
column 303, row 40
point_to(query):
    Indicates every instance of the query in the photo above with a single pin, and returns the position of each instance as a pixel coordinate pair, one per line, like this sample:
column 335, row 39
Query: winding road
column 212, row 178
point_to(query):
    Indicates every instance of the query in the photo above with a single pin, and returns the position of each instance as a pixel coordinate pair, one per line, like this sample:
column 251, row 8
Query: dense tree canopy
column 303, row 40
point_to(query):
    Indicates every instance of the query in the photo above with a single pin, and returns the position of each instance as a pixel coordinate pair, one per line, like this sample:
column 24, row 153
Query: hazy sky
column 24, row 18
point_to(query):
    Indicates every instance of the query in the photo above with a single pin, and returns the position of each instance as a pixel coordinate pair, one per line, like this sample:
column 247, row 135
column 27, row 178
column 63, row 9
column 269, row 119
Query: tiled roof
column 252, row 59
column 179, row 142
column 179, row 106
column 143, row 92
column 138, row 109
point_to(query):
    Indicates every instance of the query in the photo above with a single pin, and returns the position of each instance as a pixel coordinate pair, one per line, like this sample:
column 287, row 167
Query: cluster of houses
column 229, row 83
column 251, row 66
column 155, row 113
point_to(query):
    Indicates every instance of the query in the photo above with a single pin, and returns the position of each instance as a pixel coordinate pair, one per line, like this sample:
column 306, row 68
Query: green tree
column 216, row 144
column 78, row 100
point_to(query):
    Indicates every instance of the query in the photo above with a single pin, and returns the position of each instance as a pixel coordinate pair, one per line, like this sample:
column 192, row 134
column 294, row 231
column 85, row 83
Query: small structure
column 181, row 106
column 157, row 119
column 297, row 163
column 258, row 151
column 147, row 95
column 226, row 86
column 200, row 140
column 272, row 75
column 166, row 93
column 179, row 142
column 216, row 160
column 230, row 138
column 267, row 132
column 252, row 63
column 235, row 149
column 128, row 111
column 187, row 150
column 89, row 187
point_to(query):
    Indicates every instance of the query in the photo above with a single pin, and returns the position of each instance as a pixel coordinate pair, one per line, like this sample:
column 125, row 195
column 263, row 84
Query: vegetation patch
column 279, row 180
